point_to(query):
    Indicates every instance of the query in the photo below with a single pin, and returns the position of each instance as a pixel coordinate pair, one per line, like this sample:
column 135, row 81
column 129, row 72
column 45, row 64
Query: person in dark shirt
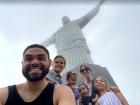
column 36, row 90
column 87, row 74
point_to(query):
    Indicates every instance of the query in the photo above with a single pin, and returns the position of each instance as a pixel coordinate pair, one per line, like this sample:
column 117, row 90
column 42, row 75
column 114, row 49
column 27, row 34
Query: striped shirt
column 109, row 98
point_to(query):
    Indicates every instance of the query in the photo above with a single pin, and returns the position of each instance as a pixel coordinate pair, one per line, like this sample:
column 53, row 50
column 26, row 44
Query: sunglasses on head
column 73, row 72
column 85, row 69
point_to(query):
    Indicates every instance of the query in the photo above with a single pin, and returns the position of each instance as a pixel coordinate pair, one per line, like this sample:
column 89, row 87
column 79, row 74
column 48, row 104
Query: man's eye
column 41, row 58
column 27, row 59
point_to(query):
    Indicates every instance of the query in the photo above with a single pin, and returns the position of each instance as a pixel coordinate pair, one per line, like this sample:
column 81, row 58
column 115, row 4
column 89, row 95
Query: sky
column 113, row 37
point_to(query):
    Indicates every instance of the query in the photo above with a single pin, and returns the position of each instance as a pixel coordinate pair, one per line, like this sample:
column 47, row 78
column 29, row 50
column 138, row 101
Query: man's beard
column 35, row 78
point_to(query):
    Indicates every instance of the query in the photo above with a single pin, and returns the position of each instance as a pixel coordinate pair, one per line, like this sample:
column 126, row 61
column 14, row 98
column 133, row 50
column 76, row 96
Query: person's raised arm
column 84, row 20
column 50, row 40
column 119, row 95
column 63, row 95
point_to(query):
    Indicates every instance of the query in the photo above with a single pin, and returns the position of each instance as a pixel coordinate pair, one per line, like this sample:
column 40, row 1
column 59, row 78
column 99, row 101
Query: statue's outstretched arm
column 86, row 18
column 49, row 41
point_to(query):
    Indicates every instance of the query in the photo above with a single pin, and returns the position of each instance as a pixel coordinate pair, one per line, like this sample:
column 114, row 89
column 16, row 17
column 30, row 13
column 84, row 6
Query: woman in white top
column 111, row 96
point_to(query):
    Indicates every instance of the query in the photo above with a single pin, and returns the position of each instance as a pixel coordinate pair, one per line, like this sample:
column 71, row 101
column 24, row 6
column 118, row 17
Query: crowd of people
column 45, row 86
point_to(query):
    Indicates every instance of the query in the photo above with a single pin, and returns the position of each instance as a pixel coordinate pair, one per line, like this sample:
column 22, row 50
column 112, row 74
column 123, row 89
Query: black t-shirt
column 45, row 97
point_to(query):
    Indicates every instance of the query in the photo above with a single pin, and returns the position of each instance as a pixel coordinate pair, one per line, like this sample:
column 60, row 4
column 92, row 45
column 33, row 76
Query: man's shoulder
column 64, row 95
column 62, row 88
column 3, row 90
column 3, row 94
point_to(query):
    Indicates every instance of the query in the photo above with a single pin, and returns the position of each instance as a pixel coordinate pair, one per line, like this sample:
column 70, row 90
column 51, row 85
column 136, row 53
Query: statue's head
column 65, row 20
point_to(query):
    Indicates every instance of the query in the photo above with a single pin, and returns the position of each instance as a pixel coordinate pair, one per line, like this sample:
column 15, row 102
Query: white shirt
column 52, row 75
column 109, row 98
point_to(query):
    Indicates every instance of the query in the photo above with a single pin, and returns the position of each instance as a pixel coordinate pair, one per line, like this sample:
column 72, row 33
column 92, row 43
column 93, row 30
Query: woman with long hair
column 111, row 96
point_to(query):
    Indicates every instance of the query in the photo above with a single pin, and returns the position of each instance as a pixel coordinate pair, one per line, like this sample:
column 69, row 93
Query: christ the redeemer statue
column 70, row 41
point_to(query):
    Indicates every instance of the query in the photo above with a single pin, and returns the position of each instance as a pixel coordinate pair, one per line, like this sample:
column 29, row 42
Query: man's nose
column 35, row 62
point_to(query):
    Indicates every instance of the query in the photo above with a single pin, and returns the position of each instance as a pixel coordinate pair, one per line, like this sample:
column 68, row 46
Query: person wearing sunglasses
column 86, row 73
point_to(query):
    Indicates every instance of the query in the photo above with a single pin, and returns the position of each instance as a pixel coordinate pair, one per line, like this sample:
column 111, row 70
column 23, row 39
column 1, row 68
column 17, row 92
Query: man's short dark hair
column 37, row 46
